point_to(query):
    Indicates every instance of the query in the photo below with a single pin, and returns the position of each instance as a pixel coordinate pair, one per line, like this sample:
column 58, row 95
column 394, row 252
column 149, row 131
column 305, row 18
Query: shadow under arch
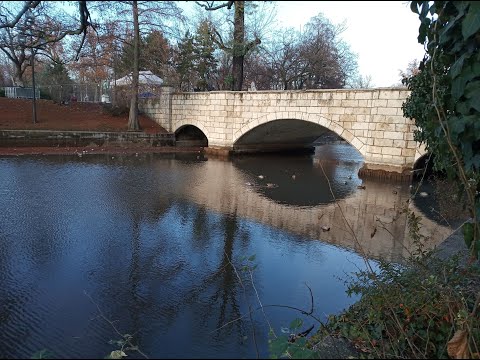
column 280, row 131
column 300, row 180
column 190, row 135
column 422, row 161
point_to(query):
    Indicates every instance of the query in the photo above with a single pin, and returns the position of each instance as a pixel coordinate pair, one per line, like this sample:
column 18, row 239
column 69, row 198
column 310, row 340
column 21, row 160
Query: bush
column 425, row 310
column 2, row 92
column 45, row 96
column 115, row 110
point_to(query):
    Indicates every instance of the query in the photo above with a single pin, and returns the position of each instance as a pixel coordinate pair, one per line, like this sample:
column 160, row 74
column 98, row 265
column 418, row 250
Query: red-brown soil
column 16, row 114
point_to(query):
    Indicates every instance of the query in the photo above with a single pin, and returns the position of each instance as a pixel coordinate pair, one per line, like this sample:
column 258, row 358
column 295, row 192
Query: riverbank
column 84, row 150
column 422, row 307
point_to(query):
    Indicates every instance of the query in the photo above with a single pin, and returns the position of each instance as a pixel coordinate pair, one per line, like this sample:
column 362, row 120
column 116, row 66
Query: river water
column 154, row 246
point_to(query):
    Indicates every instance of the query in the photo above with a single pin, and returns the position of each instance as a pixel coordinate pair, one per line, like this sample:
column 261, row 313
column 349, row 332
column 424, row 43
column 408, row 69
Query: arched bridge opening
column 190, row 136
column 287, row 135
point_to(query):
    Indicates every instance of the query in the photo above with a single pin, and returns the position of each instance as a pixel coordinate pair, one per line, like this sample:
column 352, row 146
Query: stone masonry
column 370, row 120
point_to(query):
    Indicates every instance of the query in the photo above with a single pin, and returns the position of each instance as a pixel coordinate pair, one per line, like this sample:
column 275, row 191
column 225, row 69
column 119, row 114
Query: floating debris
column 270, row 185
column 249, row 184
column 361, row 187
column 293, row 176
column 423, row 194
column 261, row 176
column 326, row 228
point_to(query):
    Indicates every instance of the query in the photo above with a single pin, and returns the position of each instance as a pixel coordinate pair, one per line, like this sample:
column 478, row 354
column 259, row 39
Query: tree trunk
column 18, row 77
column 133, row 116
column 238, row 45
column 113, row 90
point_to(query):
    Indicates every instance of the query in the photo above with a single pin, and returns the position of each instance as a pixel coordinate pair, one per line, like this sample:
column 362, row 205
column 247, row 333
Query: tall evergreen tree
column 205, row 62
column 185, row 62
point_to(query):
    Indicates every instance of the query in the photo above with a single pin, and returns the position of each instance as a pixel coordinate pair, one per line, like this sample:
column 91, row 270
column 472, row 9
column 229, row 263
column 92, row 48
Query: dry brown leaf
column 458, row 345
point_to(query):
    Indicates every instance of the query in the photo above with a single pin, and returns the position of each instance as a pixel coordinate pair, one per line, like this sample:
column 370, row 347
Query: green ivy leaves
column 471, row 24
column 445, row 95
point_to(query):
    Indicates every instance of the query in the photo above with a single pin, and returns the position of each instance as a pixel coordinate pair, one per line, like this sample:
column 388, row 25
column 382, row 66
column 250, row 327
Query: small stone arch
column 197, row 124
column 192, row 140
column 313, row 118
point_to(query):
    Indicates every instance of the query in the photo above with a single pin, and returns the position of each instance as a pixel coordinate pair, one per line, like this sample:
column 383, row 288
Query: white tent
column 144, row 78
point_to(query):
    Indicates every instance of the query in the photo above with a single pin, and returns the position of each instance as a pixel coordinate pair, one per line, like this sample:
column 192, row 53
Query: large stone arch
column 312, row 118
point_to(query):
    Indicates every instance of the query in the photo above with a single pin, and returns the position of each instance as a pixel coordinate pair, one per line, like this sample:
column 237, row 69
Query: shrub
column 115, row 110
column 414, row 312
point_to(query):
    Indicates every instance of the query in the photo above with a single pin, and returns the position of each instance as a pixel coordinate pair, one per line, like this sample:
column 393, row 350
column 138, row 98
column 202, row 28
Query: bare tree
column 143, row 17
column 56, row 30
column 5, row 71
column 361, row 82
column 286, row 61
column 50, row 27
column 413, row 68
column 312, row 59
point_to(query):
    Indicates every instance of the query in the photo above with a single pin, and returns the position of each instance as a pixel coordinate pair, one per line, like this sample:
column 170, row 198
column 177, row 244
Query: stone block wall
column 370, row 120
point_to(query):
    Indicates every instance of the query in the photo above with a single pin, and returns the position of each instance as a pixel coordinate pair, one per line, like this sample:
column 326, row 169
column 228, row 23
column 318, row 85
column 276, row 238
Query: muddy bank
column 84, row 150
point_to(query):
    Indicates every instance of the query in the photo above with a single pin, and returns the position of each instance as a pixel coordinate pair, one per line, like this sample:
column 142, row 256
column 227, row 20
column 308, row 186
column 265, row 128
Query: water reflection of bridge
column 375, row 214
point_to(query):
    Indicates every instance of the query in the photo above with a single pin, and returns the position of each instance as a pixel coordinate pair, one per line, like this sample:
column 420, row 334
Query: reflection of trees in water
column 215, row 295
column 220, row 286
column 135, row 275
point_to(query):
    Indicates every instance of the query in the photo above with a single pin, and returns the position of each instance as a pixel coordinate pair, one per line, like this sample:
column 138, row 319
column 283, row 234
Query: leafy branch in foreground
column 444, row 98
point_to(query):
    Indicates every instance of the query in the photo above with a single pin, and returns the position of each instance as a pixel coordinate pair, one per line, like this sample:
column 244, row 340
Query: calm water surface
column 152, row 239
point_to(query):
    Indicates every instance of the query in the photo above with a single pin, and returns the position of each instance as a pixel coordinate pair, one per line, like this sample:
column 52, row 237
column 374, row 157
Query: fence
column 96, row 93
column 17, row 92
column 76, row 92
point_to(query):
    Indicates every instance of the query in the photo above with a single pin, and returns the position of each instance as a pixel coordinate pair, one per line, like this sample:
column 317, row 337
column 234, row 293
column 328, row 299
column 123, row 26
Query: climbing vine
column 445, row 97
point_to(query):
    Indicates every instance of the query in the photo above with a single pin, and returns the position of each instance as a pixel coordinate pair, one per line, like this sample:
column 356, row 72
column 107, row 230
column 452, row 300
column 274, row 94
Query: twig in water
column 126, row 337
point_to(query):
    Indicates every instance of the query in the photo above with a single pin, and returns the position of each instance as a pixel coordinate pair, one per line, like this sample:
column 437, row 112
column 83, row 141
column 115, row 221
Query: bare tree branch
column 29, row 5
column 210, row 5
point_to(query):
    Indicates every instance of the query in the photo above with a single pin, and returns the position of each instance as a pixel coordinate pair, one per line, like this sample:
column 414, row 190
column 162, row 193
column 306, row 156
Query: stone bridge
column 370, row 120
